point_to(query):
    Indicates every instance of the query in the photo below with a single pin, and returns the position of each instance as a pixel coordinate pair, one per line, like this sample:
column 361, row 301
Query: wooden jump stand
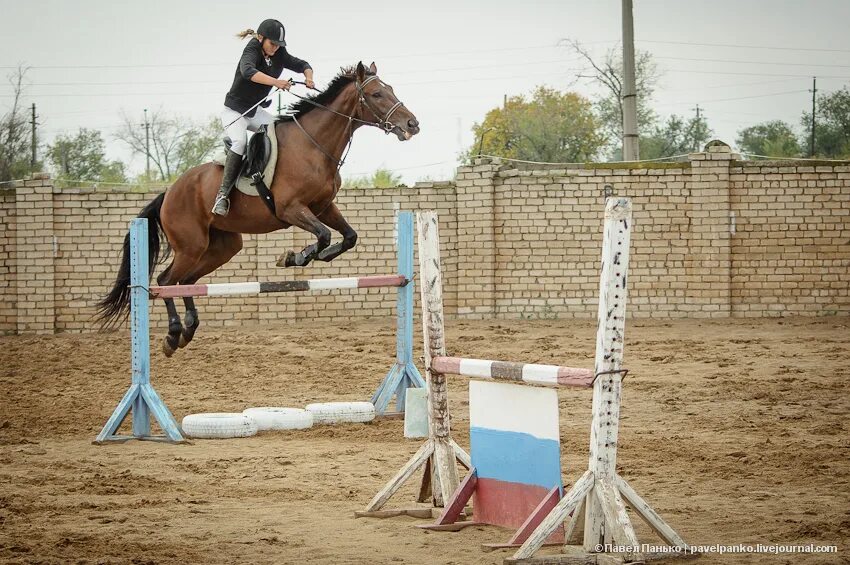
column 597, row 499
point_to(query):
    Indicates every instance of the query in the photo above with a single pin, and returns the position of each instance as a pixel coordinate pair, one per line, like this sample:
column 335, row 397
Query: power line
column 405, row 168
column 732, row 85
column 780, row 48
column 417, row 72
column 751, row 74
column 751, row 62
column 386, row 56
column 744, row 97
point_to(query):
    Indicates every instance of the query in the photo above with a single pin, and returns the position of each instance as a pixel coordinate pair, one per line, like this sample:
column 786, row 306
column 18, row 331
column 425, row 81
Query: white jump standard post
column 440, row 451
column 600, row 490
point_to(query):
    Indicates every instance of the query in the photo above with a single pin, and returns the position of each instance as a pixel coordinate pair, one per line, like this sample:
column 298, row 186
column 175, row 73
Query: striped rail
column 234, row 289
column 597, row 500
column 529, row 373
column 142, row 399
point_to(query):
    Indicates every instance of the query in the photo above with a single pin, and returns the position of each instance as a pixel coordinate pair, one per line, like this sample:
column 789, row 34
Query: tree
column 552, row 126
column 774, row 139
column 83, row 157
column 832, row 131
column 608, row 73
column 381, row 178
column 675, row 137
column 176, row 145
column 15, row 141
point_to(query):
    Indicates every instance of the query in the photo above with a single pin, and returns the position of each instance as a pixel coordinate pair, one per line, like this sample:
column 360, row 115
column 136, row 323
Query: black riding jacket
column 243, row 93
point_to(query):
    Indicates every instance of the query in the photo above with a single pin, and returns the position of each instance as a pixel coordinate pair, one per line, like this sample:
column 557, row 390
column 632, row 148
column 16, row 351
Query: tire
column 218, row 425
column 274, row 418
column 341, row 412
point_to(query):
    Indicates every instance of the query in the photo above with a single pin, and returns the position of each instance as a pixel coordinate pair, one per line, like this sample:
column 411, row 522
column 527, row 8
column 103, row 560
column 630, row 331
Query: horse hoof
column 167, row 349
column 183, row 342
column 287, row 260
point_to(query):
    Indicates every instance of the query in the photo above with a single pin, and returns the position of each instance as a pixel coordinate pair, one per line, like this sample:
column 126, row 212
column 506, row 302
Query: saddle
column 258, row 164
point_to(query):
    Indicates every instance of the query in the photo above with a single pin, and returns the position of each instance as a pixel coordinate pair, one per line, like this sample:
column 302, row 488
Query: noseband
column 383, row 123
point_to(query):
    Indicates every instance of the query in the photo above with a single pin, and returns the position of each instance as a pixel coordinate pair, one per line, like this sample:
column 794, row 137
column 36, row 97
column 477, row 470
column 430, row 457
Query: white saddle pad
column 244, row 183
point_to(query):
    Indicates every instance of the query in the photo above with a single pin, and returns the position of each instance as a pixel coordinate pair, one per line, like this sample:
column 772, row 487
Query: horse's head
column 380, row 106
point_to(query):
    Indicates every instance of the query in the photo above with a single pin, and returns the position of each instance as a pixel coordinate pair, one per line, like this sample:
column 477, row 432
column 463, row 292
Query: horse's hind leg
column 222, row 247
column 332, row 218
column 301, row 216
column 191, row 321
column 175, row 328
column 184, row 262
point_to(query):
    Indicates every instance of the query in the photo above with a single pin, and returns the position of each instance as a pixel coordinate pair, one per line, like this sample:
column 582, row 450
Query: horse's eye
column 376, row 95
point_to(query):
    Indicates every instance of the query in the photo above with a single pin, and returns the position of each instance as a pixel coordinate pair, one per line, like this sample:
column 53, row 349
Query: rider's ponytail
column 246, row 33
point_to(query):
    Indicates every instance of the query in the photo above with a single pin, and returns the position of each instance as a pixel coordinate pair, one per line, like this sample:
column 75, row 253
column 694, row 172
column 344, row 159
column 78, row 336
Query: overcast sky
column 742, row 61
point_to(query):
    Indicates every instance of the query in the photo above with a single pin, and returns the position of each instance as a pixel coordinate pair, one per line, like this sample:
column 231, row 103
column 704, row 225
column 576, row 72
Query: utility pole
column 695, row 131
column 147, row 147
column 631, row 151
column 813, row 91
column 33, row 123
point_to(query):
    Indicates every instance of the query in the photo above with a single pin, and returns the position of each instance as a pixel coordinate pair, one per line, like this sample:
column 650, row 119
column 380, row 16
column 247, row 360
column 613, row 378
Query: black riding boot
column 231, row 174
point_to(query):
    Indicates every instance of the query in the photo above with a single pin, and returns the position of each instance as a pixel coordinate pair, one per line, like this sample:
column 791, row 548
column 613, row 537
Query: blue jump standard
column 403, row 374
column 143, row 400
column 141, row 397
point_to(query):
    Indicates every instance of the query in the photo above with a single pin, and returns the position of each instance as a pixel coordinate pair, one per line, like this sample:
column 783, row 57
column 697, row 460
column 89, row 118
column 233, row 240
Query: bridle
column 382, row 123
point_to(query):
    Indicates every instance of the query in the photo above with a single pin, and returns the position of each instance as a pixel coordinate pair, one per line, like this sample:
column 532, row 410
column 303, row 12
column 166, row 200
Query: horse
column 311, row 141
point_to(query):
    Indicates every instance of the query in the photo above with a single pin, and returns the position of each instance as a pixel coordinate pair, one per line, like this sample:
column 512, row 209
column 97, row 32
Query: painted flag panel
column 515, row 448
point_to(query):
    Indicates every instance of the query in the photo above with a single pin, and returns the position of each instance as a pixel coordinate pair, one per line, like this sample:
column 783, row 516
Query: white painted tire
column 341, row 412
column 275, row 418
column 217, row 425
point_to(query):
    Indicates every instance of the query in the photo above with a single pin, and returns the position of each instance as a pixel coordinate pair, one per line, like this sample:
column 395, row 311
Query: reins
column 383, row 122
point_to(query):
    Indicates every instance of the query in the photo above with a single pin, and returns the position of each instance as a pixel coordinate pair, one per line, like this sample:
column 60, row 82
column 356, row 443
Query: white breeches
column 238, row 130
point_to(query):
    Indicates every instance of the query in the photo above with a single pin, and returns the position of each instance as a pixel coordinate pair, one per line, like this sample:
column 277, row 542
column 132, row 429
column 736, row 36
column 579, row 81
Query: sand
column 735, row 430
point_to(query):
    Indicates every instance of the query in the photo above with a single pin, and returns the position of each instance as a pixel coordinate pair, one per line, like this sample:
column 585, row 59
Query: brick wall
column 8, row 270
column 516, row 242
column 791, row 249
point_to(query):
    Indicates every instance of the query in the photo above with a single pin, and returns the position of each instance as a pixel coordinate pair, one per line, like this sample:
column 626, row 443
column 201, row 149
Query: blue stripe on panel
column 516, row 457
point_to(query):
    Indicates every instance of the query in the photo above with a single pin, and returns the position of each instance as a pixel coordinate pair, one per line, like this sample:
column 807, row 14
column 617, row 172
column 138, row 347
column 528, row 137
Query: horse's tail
column 115, row 307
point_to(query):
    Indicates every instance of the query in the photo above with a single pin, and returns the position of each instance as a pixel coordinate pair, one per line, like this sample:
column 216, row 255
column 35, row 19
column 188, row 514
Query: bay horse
column 311, row 142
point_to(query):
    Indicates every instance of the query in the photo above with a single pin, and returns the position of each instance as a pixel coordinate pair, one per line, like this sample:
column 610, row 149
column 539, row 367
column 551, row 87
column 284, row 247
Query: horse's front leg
column 332, row 217
column 301, row 216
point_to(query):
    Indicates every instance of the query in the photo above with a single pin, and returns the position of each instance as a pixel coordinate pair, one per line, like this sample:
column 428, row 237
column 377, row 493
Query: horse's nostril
column 413, row 122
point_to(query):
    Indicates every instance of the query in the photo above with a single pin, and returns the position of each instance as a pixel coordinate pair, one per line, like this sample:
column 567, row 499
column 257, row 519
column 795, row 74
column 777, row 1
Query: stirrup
column 221, row 206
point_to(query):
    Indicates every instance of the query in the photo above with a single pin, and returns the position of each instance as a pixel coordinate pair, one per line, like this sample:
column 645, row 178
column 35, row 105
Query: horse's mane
column 346, row 76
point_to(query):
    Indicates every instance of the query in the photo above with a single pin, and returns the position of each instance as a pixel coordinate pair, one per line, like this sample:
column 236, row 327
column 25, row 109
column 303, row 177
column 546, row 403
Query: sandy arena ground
column 735, row 430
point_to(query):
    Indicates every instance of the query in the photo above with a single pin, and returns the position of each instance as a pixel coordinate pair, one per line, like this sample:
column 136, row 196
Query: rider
column 263, row 59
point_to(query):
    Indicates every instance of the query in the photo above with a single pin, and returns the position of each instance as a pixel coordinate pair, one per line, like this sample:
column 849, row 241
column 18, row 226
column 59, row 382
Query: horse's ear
column 361, row 71
column 373, row 68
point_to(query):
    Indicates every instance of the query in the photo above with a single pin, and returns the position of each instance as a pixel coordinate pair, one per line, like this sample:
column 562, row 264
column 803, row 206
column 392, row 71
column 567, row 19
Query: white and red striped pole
column 256, row 287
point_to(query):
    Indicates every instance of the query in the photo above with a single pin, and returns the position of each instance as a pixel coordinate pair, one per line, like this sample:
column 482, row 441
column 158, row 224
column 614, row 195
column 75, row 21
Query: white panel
column 514, row 408
column 228, row 289
column 475, row 368
column 325, row 284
